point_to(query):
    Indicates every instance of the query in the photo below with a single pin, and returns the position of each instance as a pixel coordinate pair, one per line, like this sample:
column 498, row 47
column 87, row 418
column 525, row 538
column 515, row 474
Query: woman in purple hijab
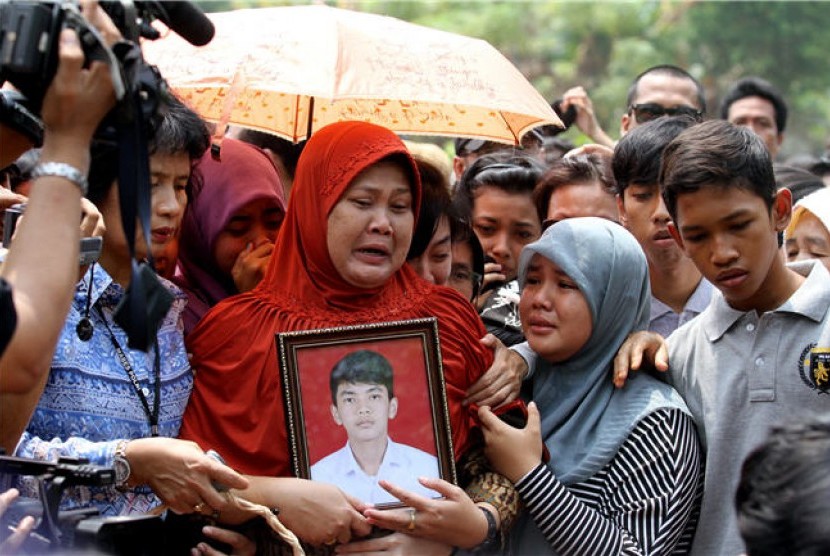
column 229, row 227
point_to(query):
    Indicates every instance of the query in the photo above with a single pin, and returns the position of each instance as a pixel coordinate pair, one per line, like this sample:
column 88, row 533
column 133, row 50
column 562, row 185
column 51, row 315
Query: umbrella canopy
column 270, row 68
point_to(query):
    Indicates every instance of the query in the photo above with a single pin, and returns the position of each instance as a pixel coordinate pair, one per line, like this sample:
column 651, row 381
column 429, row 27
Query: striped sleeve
column 641, row 503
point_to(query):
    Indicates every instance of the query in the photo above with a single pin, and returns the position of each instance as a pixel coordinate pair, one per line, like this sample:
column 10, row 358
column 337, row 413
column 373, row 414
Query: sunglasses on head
column 651, row 111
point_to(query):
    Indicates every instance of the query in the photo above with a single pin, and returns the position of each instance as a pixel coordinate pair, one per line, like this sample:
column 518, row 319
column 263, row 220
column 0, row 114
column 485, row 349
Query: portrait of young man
column 363, row 402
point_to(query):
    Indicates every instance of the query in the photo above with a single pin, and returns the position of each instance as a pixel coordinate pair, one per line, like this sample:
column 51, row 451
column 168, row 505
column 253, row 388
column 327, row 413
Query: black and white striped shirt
column 644, row 501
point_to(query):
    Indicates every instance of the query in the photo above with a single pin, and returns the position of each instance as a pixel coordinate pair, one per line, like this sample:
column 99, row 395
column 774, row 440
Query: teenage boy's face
column 731, row 236
column 644, row 214
column 364, row 410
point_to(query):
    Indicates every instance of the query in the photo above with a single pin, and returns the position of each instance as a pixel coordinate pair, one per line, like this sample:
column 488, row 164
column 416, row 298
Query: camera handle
column 95, row 47
column 50, row 489
column 52, row 480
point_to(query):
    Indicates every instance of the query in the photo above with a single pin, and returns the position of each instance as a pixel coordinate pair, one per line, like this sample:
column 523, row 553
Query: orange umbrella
column 269, row 68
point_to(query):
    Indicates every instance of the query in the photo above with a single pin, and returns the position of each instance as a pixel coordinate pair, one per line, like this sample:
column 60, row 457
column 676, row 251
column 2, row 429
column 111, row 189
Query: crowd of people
column 653, row 305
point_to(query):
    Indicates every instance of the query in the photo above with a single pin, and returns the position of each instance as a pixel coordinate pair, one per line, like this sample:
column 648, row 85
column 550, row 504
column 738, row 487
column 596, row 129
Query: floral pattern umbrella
column 272, row 69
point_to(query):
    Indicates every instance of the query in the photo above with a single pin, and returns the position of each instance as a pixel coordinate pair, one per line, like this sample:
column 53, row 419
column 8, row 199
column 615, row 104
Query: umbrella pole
column 310, row 117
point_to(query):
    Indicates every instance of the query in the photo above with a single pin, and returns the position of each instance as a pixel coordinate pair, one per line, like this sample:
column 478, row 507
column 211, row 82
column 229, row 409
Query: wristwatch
column 121, row 465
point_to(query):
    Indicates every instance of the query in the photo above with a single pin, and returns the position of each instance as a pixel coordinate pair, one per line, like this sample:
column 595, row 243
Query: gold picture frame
column 333, row 429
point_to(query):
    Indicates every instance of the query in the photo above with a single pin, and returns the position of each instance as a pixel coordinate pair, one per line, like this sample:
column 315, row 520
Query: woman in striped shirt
column 624, row 470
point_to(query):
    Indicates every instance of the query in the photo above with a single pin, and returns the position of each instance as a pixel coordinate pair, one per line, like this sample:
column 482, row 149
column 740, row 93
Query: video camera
column 29, row 37
column 76, row 529
column 83, row 531
column 29, row 41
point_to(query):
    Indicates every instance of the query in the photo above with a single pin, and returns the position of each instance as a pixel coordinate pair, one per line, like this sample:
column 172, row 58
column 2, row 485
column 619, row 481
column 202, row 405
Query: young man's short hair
column 800, row 182
column 671, row 71
column 716, row 154
column 637, row 154
column 582, row 169
column 756, row 87
column 288, row 152
column 364, row 366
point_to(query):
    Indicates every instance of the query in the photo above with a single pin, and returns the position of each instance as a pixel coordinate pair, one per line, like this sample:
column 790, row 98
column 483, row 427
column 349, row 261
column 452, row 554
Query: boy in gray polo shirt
column 760, row 353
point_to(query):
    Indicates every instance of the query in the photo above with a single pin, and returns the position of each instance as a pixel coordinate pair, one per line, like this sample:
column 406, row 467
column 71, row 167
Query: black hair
column 716, row 154
column 287, row 151
column 556, row 147
column 435, row 203
column 365, row 366
column 822, row 165
column 783, row 496
column 582, row 169
column 672, row 71
column 512, row 173
column 800, row 182
column 756, row 87
column 179, row 130
column 637, row 154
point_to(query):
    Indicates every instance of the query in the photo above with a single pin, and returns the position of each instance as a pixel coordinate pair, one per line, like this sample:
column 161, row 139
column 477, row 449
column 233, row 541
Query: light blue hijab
column 585, row 419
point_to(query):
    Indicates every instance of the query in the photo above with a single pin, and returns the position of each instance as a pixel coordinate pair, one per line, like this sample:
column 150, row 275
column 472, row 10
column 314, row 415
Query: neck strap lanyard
column 152, row 415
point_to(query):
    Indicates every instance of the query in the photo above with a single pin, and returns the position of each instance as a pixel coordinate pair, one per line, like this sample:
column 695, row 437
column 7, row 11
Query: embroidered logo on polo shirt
column 814, row 367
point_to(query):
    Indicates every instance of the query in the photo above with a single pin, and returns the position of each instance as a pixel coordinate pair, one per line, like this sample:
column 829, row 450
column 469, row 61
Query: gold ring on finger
column 411, row 526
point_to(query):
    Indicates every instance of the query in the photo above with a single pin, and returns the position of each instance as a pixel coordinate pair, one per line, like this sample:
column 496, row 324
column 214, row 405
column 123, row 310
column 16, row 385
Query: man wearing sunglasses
column 663, row 90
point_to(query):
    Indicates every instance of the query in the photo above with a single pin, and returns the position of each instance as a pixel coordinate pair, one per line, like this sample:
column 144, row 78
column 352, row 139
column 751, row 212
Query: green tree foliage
column 602, row 45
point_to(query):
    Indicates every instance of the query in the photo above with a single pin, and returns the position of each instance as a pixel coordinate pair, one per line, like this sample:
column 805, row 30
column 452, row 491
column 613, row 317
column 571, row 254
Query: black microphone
column 187, row 20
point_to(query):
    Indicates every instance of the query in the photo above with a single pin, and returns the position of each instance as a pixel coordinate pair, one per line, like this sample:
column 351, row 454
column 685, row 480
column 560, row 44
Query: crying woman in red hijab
column 339, row 260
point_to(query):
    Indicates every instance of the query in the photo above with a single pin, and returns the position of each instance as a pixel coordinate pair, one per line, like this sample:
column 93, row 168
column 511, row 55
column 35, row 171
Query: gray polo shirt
column 664, row 320
column 740, row 373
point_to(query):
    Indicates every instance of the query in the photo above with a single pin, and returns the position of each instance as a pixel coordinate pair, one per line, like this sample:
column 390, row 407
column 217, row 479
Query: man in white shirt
column 363, row 402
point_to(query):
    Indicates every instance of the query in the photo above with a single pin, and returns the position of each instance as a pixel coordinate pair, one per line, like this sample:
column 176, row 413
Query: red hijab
column 236, row 406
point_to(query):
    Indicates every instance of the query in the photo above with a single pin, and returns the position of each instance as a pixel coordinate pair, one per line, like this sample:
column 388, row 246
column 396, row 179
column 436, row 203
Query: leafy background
column 604, row 45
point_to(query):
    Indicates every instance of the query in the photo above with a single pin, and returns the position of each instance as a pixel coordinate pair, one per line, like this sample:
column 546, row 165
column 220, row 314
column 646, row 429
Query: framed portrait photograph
column 365, row 403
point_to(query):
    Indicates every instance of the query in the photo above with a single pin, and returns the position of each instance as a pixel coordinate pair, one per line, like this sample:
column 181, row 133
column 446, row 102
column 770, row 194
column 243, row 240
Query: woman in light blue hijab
column 624, row 464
